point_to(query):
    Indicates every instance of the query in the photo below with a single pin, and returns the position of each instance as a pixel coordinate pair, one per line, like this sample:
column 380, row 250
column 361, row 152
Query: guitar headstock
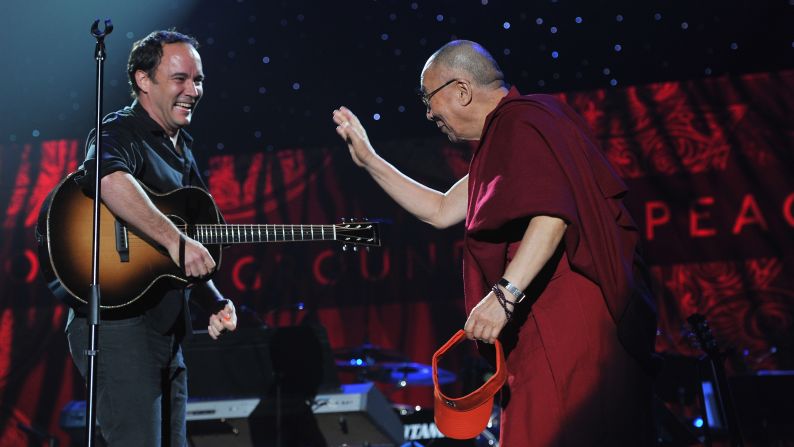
column 358, row 233
column 705, row 339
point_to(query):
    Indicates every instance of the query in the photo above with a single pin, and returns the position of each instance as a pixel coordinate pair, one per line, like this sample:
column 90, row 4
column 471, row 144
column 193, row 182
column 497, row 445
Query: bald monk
column 550, row 261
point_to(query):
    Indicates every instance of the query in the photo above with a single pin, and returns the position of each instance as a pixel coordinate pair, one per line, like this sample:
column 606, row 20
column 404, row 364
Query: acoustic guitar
column 725, row 406
column 130, row 263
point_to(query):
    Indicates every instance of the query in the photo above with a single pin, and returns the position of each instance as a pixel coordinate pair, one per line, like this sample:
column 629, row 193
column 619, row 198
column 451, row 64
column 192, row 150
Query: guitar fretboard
column 243, row 234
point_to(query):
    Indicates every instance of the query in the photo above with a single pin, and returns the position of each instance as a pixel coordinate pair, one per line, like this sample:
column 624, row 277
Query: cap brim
column 465, row 424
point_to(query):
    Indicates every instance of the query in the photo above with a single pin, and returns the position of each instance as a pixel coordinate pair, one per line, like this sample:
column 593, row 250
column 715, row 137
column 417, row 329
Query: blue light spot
column 130, row 35
column 506, row 51
column 506, row 25
column 657, row 17
column 376, row 117
column 734, row 46
column 578, row 20
column 35, row 132
column 384, row 36
column 359, row 362
column 555, row 54
column 414, row 6
column 613, row 82
column 296, row 86
column 301, row 305
column 401, row 109
column 258, row 134
column 553, row 30
column 266, row 60
column 684, row 25
column 220, row 146
column 440, row 18
column 619, row 17
column 262, row 90
column 698, row 422
column 618, row 47
column 539, row 21
column 484, row 2
column 606, row 71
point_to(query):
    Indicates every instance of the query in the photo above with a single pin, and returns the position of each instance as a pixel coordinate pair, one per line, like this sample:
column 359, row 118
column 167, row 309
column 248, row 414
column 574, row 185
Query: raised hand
column 350, row 129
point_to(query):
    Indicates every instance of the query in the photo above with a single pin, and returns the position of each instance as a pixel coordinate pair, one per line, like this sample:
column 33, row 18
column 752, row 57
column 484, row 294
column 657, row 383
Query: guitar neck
column 246, row 234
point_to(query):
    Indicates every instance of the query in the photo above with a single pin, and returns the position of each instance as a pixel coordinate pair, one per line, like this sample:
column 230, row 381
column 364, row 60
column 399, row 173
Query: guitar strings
column 231, row 233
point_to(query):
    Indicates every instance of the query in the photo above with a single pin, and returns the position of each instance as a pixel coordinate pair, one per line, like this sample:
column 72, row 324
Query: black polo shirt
column 133, row 142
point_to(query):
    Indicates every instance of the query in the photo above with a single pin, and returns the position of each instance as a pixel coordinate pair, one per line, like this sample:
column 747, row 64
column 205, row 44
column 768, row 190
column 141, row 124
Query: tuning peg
column 344, row 247
column 367, row 248
column 355, row 248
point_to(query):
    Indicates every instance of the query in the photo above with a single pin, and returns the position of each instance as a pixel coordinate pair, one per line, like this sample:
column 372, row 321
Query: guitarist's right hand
column 198, row 261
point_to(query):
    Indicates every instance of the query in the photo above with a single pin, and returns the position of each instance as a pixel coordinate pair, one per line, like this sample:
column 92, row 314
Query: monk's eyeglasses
column 425, row 97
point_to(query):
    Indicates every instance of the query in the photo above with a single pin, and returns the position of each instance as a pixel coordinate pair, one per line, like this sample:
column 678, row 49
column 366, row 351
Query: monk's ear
column 465, row 95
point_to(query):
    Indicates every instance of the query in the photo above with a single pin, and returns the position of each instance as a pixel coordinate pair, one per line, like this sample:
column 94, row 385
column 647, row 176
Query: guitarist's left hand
column 225, row 320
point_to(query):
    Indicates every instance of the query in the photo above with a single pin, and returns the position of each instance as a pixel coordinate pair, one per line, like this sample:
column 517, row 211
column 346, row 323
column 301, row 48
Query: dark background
column 275, row 70
column 713, row 79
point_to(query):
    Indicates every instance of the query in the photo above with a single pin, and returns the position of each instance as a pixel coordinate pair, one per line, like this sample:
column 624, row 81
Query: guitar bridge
column 122, row 242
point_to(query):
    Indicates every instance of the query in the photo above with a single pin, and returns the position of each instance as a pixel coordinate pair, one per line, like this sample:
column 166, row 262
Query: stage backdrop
column 709, row 164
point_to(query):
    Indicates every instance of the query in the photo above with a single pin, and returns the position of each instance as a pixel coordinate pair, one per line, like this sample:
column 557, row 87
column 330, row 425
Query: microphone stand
column 92, row 352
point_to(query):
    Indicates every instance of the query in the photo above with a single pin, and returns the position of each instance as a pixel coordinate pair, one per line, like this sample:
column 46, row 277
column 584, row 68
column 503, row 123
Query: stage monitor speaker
column 359, row 415
column 209, row 422
column 220, row 422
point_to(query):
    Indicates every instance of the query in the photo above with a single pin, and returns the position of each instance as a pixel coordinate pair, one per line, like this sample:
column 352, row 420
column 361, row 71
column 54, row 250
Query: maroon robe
column 567, row 363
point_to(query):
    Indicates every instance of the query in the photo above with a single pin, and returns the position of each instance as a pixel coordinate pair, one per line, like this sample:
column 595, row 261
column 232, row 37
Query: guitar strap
column 182, row 253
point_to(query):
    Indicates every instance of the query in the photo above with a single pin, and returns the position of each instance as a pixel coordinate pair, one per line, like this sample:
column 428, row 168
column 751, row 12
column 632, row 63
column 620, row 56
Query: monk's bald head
column 467, row 57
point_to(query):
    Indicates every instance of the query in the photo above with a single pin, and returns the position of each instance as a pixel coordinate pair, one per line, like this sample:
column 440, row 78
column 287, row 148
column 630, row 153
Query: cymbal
column 366, row 356
column 411, row 373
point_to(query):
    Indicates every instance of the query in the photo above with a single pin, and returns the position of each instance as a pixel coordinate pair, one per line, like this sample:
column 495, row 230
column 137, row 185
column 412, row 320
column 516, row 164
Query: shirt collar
column 151, row 125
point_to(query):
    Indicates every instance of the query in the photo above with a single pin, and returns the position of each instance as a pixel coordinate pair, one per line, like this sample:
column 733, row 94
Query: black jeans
column 142, row 382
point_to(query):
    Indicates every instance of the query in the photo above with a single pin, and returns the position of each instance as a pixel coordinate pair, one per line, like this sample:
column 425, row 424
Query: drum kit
column 371, row 363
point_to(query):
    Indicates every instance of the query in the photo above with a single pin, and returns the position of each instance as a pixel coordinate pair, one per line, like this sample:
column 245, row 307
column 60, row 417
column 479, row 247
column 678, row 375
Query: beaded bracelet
column 500, row 296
